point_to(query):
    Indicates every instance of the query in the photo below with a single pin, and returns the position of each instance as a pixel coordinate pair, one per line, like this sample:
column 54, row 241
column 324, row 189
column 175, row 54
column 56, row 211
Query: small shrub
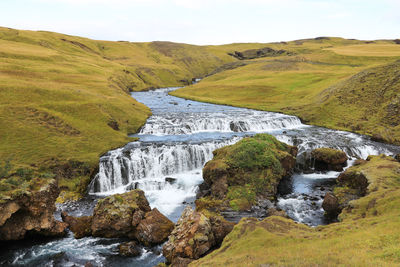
column 24, row 173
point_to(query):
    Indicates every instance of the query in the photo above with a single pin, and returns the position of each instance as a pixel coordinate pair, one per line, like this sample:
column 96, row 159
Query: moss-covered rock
column 251, row 168
column 112, row 216
column 129, row 215
column 329, row 159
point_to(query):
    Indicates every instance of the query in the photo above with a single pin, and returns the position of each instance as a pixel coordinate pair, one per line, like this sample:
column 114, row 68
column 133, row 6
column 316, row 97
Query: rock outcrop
column 31, row 212
column 192, row 237
column 154, row 228
column 328, row 159
column 257, row 53
column 240, row 174
column 112, row 216
column 123, row 215
column 351, row 184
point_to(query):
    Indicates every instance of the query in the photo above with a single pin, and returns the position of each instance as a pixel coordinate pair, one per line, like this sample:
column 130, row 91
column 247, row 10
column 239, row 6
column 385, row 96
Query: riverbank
column 354, row 92
column 367, row 235
column 64, row 100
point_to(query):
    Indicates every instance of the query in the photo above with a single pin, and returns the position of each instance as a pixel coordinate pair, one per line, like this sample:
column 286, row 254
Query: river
column 166, row 163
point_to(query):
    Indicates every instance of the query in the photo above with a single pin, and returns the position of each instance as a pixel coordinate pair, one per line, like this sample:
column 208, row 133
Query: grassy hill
column 64, row 100
column 368, row 234
column 332, row 82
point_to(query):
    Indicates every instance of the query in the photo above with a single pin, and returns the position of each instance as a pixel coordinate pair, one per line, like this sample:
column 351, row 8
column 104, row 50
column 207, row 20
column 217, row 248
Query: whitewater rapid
column 180, row 136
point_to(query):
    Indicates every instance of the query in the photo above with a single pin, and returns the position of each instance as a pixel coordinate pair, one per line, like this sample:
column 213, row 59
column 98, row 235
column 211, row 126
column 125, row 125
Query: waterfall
column 139, row 165
column 230, row 122
column 180, row 136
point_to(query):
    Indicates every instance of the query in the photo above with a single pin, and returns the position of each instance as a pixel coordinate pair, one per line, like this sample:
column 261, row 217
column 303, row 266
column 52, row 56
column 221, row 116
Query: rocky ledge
column 123, row 215
column 30, row 212
column 354, row 183
column 195, row 234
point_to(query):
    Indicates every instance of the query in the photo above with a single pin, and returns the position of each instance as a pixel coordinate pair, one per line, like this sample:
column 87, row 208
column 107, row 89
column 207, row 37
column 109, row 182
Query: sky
column 206, row 21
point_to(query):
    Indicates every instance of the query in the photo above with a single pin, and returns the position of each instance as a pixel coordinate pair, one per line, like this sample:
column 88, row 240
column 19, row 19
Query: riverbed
column 166, row 163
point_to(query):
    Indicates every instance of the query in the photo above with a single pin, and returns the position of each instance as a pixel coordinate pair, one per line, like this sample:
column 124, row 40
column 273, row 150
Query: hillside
column 368, row 234
column 332, row 82
column 65, row 100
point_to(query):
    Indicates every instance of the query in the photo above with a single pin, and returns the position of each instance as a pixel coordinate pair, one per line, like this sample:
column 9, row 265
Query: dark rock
column 329, row 159
column 331, row 205
column 114, row 125
column 354, row 180
column 378, row 138
column 80, row 226
column 170, row 180
column 129, row 249
column 397, row 157
column 257, row 53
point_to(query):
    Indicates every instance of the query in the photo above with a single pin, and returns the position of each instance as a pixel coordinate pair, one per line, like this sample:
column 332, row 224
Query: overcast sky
column 206, row 21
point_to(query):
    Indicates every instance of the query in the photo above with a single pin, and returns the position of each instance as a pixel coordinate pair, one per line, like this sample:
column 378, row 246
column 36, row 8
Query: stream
column 166, row 163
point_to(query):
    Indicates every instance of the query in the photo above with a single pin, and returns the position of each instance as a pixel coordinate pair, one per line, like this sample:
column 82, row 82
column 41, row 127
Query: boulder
column 113, row 216
column 170, row 180
column 129, row 215
column 80, row 226
column 31, row 211
column 397, row 157
column 331, row 205
column 154, row 228
column 328, row 159
column 354, row 180
column 191, row 238
column 129, row 249
column 220, row 227
column 352, row 184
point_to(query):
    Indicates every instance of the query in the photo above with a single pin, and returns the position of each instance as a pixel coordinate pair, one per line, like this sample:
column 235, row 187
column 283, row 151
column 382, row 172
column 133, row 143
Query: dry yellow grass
column 368, row 50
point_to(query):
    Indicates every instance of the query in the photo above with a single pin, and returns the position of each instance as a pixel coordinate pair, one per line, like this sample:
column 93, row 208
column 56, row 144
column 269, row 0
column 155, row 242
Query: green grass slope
column 64, row 100
column 368, row 234
column 332, row 82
